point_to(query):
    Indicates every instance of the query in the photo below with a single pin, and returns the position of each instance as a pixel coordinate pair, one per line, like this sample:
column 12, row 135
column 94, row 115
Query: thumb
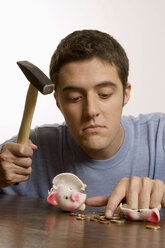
column 97, row 201
column 33, row 146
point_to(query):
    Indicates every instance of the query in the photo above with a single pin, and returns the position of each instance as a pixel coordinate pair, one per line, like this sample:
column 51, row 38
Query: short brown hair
column 86, row 44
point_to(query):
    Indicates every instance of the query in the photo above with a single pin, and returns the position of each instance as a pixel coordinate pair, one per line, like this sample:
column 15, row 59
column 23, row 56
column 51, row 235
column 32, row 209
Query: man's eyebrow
column 106, row 83
column 102, row 84
column 70, row 88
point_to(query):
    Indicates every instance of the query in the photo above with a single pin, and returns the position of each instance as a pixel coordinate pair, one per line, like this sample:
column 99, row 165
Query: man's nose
column 91, row 108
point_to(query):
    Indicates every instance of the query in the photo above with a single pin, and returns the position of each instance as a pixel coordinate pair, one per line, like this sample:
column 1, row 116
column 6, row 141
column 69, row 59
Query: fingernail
column 34, row 146
column 108, row 213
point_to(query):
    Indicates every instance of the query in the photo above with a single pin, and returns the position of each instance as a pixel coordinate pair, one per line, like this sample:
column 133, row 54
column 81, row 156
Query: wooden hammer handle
column 24, row 131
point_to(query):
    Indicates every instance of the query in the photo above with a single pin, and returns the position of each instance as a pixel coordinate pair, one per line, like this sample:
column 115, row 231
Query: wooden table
column 29, row 222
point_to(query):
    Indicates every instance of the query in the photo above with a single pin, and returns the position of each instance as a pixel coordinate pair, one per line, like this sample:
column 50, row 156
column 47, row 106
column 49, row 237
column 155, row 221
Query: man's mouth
column 93, row 128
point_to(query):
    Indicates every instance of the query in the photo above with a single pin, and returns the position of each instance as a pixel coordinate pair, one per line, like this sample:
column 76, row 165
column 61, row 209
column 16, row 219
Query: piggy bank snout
column 78, row 197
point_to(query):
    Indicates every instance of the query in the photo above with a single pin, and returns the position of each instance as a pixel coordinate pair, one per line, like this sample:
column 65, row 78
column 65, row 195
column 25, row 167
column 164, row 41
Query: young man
column 117, row 157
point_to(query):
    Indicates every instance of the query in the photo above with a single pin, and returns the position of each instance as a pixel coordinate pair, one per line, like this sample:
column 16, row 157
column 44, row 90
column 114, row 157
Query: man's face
column 90, row 96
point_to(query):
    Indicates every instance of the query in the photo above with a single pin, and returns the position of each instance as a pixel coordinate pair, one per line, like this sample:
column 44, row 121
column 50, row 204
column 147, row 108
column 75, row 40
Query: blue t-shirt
column 141, row 154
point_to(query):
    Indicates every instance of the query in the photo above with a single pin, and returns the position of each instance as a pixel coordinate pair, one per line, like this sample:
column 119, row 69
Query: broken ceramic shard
column 151, row 215
column 66, row 192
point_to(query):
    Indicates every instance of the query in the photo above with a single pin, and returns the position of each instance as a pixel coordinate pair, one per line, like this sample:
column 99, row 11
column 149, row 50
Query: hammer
column 38, row 81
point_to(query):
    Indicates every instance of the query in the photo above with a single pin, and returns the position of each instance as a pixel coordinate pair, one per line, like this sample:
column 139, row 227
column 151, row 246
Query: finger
column 17, row 161
column 116, row 196
column 97, row 201
column 157, row 193
column 15, row 179
column 11, row 154
column 22, row 162
column 144, row 199
column 21, row 150
column 20, row 178
column 14, row 175
column 33, row 146
column 23, row 171
column 145, row 193
column 132, row 195
column 12, row 170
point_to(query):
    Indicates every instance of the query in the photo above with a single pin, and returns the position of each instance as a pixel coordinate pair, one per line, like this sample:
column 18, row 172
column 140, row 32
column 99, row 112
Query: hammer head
column 36, row 77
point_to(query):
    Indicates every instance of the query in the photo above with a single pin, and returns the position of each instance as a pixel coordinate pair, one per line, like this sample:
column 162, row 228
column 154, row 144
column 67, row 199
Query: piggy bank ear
column 52, row 199
column 154, row 217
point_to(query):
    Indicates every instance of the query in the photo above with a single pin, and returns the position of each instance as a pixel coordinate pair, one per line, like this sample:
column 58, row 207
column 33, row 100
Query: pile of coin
column 97, row 217
column 116, row 218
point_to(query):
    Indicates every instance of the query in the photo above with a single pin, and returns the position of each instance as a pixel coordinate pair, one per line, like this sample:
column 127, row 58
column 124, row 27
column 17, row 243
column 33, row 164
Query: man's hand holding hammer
column 15, row 158
column 15, row 163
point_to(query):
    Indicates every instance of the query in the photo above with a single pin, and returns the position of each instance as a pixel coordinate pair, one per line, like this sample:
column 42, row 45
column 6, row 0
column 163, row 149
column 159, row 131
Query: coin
column 80, row 218
column 73, row 214
column 113, row 218
column 82, row 215
column 153, row 226
column 121, row 221
column 93, row 219
column 104, row 221
column 102, row 217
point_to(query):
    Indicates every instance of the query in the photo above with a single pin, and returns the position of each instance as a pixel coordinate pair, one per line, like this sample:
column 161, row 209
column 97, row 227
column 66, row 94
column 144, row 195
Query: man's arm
column 15, row 163
column 138, row 192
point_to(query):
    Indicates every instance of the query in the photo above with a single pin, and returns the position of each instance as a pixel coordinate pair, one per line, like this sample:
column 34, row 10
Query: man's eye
column 75, row 99
column 104, row 96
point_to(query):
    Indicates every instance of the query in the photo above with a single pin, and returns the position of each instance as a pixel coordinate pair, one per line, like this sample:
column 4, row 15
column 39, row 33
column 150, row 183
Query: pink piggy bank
column 151, row 215
column 66, row 192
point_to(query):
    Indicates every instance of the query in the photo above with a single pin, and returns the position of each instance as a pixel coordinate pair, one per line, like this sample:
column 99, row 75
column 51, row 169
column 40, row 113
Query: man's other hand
column 138, row 193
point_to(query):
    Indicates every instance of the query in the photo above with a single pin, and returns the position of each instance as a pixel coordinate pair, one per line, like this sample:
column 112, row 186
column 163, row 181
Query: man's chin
column 93, row 143
column 92, row 147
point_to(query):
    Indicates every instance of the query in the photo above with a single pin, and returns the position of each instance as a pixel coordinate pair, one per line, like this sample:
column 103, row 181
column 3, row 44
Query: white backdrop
column 31, row 29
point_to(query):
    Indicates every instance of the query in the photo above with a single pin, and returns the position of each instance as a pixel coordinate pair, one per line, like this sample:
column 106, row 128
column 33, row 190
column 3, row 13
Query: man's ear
column 56, row 99
column 127, row 93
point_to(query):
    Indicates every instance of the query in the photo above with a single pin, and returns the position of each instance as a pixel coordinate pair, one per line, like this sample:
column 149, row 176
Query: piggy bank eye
column 66, row 197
